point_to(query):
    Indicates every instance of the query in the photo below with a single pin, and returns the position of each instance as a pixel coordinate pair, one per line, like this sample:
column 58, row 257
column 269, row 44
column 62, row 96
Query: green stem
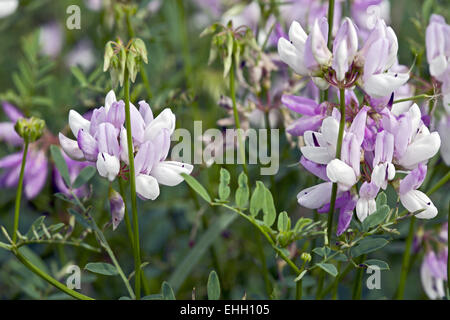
column 338, row 156
column 142, row 69
column 330, row 22
column 130, row 232
column 185, row 43
column 405, row 262
column 279, row 251
column 357, row 288
column 320, row 284
column 48, row 278
column 334, row 285
column 236, row 117
column 132, row 178
column 298, row 290
column 126, row 215
column 420, row 96
column 265, row 270
column 19, row 192
column 104, row 243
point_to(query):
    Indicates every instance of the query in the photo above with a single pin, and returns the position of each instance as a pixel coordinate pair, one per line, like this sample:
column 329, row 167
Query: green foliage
column 213, row 286
column 224, row 189
column 102, row 268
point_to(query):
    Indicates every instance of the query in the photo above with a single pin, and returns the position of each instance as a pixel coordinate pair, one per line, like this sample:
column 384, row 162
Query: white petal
column 147, row 186
column 383, row 84
column 165, row 120
column 317, row 154
column 330, row 130
column 315, row 196
column 319, row 46
column 292, row 56
column 77, row 122
column 340, row 172
column 108, row 166
column 71, row 148
column 8, row 7
column 379, row 175
column 420, row 150
column 110, row 98
column 438, row 66
column 168, row 172
column 364, row 208
column 297, row 35
column 415, row 200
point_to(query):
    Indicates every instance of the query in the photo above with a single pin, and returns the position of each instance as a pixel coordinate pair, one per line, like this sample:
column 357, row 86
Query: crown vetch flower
column 103, row 140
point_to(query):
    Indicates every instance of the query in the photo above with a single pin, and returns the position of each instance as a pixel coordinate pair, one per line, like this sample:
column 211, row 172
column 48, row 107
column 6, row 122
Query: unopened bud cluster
column 30, row 129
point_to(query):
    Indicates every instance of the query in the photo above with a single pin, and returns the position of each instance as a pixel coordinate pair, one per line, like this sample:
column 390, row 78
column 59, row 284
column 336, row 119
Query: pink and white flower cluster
column 102, row 140
column 381, row 141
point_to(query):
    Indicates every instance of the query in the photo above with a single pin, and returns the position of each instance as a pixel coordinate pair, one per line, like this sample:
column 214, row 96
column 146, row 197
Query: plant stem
column 142, row 69
column 132, row 178
column 48, row 278
column 420, row 96
column 330, row 22
column 104, row 243
column 265, row 271
column 338, row 156
column 130, row 232
column 298, row 290
column 126, row 215
column 19, row 192
column 265, row 234
column 185, row 43
column 357, row 288
column 405, row 261
column 237, row 122
column 320, row 284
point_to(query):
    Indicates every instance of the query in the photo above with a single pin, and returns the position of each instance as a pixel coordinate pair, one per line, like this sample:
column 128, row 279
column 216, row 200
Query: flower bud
column 117, row 207
column 305, row 257
column 138, row 46
column 30, row 129
column 109, row 54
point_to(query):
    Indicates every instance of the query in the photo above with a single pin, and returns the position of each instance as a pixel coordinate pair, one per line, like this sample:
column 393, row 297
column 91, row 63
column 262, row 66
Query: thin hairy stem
column 338, row 156
column 19, row 192
column 132, row 179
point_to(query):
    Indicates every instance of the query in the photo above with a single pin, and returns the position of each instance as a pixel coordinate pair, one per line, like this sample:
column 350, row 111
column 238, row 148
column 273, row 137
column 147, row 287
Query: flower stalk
column 237, row 122
column 338, row 156
column 19, row 191
column 132, row 179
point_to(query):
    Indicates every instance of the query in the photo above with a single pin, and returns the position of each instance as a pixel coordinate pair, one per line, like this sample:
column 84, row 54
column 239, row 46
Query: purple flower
column 444, row 131
column 51, row 39
column 35, row 173
column 366, row 204
column 365, row 13
column 438, row 54
column 414, row 200
column 346, row 212
column 377, row 56
column 74, row 168
column 413, row 142
column 383, row 169
column 7, row 131
column 103, row 140
column 117, row 207
column 312, row 114
column 433, row 273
